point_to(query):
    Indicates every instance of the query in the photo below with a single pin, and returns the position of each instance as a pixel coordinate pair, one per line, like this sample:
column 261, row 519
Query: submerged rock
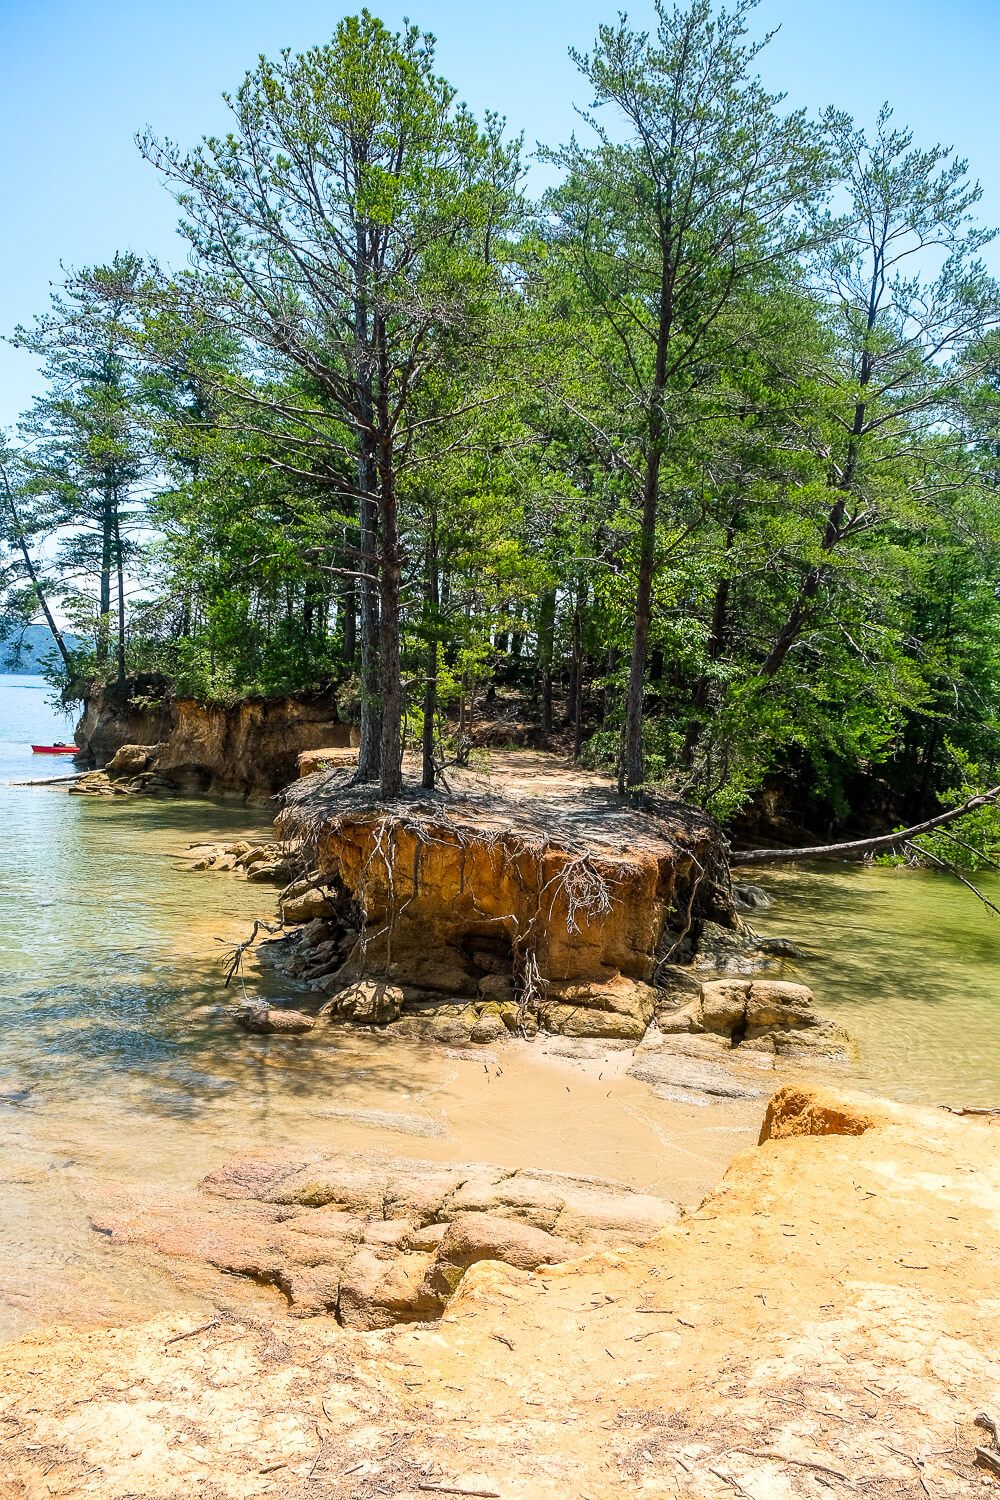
column 268, row 1019
column 666, row 1074
column 750, row 897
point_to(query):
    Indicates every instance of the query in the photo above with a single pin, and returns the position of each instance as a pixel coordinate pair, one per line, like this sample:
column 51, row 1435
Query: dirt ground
column 826, row 1323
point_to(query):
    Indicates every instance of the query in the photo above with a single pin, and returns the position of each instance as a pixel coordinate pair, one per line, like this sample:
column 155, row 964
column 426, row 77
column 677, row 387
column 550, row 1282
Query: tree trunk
column 372, row 708
column 429, row 770
column 865, row 846
column 546, row 642
column 120, row 576
column 349, row 614
column 631, row 764
column 576, row 681
column 107, row 556
column 389, row 578
column 32, row 572
column 370, row 750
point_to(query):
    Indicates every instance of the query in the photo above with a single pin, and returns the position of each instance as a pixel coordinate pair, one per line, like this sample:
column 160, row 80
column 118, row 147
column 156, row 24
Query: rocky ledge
column 373, row 1242
column 824, row 1325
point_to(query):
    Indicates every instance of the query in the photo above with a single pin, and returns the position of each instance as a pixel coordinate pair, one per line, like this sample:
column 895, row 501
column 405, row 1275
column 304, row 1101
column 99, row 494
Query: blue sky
column 79, row 77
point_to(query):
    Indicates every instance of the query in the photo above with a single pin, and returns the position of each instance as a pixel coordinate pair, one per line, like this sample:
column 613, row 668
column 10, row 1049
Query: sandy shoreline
column 824, row 1323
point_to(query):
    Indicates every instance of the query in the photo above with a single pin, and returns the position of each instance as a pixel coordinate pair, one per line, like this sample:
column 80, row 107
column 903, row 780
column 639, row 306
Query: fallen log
column 51, row 780
column 864, row 846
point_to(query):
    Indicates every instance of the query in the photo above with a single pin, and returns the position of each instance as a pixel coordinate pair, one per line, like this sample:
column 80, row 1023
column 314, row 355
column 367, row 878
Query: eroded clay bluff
column 825, row 1324
column 548, row 905
column 149, row 739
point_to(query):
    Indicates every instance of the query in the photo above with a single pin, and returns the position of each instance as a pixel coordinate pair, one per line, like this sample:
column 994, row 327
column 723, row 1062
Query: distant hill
column 25, row 650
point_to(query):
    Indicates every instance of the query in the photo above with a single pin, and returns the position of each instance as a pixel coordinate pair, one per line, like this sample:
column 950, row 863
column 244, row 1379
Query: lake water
column 909, row 962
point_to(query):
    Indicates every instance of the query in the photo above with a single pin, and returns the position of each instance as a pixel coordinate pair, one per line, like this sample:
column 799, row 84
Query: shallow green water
column 909, row 962
column 96, row 912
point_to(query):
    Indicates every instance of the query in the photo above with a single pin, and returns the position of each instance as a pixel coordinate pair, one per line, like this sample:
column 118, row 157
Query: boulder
column 307, row 900
column 268, row 1020
column 723, row 1005
column 496, row 987
column 750, row 897
column 488, row 1029
column 768, row 1015
column 475, row 1237
column 270, row 872
column 131, row 760
column 370, row 1002
column 619, row 1008
column 377, row 1291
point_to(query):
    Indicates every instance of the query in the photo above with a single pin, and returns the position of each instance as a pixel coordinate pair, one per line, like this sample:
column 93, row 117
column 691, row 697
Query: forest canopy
column 691, row 461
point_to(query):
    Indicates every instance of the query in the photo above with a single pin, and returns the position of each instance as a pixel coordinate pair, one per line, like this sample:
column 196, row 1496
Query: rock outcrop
column 762, row 1015
column 825, row 1325
column 268, row 1020
column 375, row 1243
column 250, row 748
column 551, row 912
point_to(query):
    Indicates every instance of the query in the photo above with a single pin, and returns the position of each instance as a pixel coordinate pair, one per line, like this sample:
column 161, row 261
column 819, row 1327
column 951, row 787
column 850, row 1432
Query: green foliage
column 397, row 430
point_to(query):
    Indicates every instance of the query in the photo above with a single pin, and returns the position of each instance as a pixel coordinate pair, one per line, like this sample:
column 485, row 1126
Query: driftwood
column 971, row 1109
column 51, row 780
column 865, row 846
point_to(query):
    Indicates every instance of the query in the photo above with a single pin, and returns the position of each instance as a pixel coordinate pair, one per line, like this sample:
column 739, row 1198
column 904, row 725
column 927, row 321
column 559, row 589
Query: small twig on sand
column 175, row 1338
column 452, row 1489
column 733, row 1484
column 801, row 1463
column 971, row 1109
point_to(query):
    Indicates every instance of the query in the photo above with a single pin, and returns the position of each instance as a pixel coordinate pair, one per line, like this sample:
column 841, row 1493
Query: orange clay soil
column 826, row 1324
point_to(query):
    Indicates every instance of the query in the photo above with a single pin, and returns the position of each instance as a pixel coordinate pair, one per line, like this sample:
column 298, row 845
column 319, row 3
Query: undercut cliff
column 248, row 749
column 554, row 906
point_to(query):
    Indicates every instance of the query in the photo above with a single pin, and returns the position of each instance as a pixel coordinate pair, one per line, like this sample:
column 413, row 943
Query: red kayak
column 56, row 749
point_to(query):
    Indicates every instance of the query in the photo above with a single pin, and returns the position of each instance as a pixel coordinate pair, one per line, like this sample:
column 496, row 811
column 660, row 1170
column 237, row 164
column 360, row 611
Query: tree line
column 695, row 456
